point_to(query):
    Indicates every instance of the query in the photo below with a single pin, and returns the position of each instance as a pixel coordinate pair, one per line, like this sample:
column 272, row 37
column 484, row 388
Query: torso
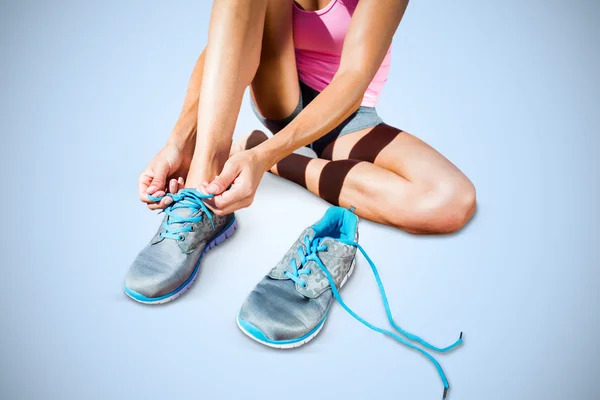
column 320, row 27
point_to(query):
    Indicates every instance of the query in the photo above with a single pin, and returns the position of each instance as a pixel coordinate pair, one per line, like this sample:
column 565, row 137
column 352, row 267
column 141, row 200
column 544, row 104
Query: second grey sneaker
column 290, row 305
column 169, row 264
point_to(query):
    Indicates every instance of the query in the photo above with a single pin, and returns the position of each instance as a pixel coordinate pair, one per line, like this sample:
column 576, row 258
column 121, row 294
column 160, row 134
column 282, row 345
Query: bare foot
column 249, row 141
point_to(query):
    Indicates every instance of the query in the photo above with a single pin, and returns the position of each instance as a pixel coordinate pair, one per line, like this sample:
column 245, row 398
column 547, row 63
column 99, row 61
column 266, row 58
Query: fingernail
column 213, row 188
column 168, row 201
column 151, row 189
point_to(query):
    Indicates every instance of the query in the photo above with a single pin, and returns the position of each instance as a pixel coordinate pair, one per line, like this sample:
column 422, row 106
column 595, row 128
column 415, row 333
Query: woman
column 315, row 68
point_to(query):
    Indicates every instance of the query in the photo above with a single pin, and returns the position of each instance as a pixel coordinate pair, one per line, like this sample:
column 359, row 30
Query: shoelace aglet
column 460, row 336
column 445, row 393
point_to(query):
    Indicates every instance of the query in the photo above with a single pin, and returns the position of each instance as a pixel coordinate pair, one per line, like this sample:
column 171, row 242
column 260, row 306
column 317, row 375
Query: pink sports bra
column 318, row 40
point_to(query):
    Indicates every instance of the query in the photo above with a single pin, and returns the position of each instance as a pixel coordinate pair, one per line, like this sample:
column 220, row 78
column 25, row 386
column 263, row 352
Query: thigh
column 275, row 88
column 398, row 152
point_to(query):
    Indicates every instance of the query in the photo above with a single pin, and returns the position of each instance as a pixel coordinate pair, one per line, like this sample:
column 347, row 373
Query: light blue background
column 507, row 90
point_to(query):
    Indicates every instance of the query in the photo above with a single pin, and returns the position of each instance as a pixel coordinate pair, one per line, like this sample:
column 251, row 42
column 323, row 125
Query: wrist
column 277, row 147
column 262, row 157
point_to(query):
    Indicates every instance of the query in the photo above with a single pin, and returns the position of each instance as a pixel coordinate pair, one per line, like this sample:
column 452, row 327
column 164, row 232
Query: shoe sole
column 292, row 344
column 225, row 234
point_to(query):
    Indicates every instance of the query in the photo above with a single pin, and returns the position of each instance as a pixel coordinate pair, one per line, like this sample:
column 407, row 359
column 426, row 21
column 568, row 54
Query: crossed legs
column 390, row 176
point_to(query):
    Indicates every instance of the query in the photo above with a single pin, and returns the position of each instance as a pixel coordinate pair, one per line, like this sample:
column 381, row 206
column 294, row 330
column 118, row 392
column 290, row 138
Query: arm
column 225, row 69
column 168, row 169
column 184, row 131
column 367, row 41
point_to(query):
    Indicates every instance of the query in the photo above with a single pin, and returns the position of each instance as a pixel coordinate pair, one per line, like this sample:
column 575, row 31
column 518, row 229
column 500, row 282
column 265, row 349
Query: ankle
column 204, row 169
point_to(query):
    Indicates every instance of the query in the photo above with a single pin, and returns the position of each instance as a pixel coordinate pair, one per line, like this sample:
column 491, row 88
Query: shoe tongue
column 183, row 212
column 314, row 237
column 188, row 203
column 327, row 242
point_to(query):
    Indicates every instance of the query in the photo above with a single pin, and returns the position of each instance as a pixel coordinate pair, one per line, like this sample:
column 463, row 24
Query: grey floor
column 508, row 91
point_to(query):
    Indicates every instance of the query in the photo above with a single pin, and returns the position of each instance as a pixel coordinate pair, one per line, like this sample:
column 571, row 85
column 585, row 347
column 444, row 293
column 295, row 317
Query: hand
column 165, row 173
column 243, row 171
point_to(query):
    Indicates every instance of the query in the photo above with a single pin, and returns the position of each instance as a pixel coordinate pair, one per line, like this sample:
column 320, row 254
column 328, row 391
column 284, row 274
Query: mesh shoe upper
column 167, row 262
column 283, row 308
column 291, row 302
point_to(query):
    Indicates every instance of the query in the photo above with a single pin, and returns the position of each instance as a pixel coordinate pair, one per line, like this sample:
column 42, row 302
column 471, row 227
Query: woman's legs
column 411, row 186
column 390, row 176
column 275, row 89
column 250, row 41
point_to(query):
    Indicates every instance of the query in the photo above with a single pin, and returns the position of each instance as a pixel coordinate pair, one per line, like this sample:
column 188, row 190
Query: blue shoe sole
column 226, row 233
column 255, row 334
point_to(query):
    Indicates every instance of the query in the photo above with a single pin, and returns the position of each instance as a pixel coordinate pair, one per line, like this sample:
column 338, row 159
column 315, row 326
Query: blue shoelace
column 314, row 246
column 185, row 198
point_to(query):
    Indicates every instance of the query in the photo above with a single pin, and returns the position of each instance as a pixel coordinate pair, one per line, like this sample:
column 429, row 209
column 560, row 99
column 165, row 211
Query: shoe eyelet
column 181, row 238
column 309, row 272
column 304, row 284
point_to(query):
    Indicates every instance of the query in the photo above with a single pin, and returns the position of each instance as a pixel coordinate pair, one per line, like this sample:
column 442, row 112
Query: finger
column 202, row 187
column 235, row 206
column 211, row 204
column 143, row 182
column 180, row 184
column 164, row 203
column 155, row 206
column 159, row 180
column 146, row 199
column 237, row 193
column 218, row 185
column 173, row 186
column 162, row 195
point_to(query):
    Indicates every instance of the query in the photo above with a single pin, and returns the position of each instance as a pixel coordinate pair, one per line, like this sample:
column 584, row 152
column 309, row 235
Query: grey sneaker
column 169, row 264
column 290, row 305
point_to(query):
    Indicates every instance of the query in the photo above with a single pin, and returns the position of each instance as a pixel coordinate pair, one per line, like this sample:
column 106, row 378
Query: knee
column 450, row 205
column 439, row 208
